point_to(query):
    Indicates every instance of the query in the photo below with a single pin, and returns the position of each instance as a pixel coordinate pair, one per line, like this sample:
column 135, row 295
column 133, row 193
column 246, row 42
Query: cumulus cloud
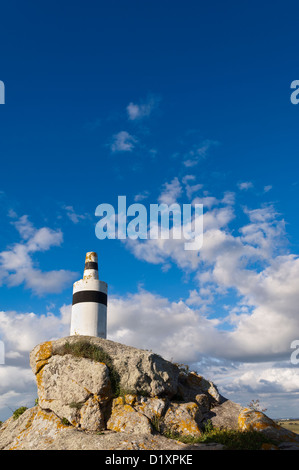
column 171, row 192
column 150, row 321
column 198, row 153
column 236, row 350
column 143, row 109
column 141, row 196
column 274, row 384
column 123, row 142
column 253, row 262
column 186, row 335
column 73, row 215
column 16, row 262
column 191, row 188
column 20, row 333
column 173, row 329
column 245, row 185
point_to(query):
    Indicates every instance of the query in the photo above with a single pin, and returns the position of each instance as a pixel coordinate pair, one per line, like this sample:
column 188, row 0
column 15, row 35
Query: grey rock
column 152, row 408
column 191, row 384
column 224, row 415
column 92, row 416
column 139, row 371
column 65, row 383
column 38, row 429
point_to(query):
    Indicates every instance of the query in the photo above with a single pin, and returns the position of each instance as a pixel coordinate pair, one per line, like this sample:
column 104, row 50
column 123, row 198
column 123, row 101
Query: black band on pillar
column 90, row 296
column 91, row 265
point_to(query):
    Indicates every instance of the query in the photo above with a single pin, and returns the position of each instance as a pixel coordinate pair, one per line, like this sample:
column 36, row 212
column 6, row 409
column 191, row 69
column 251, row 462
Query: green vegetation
column 95, row 353
column 231, row 439
column 76, row 405
column 156, row 423
column 66, row 422
column 84, row 349
column 19, row 411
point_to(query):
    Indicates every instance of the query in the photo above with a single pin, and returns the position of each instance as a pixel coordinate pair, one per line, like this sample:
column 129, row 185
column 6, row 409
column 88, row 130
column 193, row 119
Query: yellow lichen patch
column 182, row 419
column 242, row 419
column 119, row 419
column 42, row 355
column 142, row 407
column 250, row 420
column 192, row 406
column 17, row 443
column 51, row 418
column 186, row 427
column 259, row 426
column 40, row 365
column 39, row 380
column 116, row 421
column 96, row 398
column 128, row 409
column 117, row 401
column 130, row 399
column 39, row 423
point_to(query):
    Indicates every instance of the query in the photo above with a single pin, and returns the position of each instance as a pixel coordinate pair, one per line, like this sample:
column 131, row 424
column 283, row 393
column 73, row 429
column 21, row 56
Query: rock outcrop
column 97, row 394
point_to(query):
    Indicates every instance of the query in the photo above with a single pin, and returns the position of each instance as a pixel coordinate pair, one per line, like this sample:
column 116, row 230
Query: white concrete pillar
column 89, row 309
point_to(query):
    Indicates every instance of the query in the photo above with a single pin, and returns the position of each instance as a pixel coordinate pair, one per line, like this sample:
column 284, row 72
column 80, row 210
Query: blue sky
column 186, row 101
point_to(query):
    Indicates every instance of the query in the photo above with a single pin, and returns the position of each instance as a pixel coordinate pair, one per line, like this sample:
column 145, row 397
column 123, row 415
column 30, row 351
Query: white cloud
column 164, row 250
column 197, row 153
column 149, row 321
column 142, row 110
column 17, row 266
column 43, row 239
column 267, row 188
column 191, row 188
column 23, row 225
column 73, row 216
column 276, row 385
column 171, row 192
column 141, row 196
column 253, row 262
column 245, row 185
column 21, row 332
column 123, row 142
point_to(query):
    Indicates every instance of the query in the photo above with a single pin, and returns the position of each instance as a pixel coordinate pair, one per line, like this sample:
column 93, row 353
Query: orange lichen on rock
column 183, row 418
column 251, row 420
column 124, row 418
column 42, row 355
column 130, row 399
